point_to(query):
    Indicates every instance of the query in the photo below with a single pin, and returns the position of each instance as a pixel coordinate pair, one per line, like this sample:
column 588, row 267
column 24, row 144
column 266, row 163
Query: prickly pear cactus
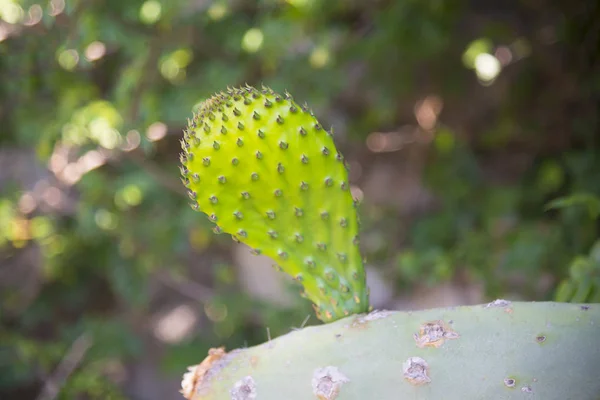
column 265, row 171
column 501, row 350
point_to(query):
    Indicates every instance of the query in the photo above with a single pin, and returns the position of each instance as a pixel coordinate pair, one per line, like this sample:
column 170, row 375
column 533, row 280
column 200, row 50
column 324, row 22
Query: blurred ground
column 471, row 129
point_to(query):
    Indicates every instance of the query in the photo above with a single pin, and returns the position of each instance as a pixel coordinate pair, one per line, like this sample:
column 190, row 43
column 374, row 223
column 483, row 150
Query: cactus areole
column 266, row 172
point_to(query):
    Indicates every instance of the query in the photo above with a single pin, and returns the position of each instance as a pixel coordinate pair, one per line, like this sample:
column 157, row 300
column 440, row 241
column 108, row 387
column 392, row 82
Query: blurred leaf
column 591, row 202
column 583, row 283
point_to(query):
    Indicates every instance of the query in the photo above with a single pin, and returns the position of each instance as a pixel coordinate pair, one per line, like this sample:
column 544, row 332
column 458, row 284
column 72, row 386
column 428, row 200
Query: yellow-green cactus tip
column 265, row 171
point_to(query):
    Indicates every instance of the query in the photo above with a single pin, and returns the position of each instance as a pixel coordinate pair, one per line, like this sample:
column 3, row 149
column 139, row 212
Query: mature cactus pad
column 265, row 171
column 502, row 350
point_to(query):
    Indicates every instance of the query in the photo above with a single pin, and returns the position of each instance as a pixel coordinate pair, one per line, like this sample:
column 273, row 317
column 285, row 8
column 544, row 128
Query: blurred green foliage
column 492, row 108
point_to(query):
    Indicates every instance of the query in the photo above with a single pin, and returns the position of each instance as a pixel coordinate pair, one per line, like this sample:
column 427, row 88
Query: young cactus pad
column 501, row 350
column 265, row 171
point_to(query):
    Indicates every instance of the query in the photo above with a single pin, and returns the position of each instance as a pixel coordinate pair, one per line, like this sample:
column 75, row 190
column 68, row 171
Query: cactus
column 265, row 171
column 501, row 350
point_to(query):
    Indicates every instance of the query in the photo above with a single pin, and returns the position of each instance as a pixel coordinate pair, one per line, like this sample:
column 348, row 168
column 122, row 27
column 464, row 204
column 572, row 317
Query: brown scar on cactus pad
column 193, row 379
column 327, row 382
column 416, row 370
column 434, row 333
column 264, row 170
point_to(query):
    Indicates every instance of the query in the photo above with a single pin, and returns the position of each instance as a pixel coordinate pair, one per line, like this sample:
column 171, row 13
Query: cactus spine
column 265, row 171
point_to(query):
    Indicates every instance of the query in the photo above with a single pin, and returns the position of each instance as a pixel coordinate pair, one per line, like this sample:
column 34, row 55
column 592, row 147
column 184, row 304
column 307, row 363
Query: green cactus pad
column 501, row 350
column 265, row 171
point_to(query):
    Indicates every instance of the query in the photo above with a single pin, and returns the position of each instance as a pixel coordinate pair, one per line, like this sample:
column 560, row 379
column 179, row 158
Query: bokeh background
column 471, row 129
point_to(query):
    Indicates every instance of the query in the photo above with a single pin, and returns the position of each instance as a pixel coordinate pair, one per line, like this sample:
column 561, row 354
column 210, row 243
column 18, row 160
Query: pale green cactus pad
column 502, row 350
column 265, row 171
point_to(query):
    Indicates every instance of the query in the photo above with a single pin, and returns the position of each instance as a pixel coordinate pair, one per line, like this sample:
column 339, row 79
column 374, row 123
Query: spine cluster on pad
column 265, row 171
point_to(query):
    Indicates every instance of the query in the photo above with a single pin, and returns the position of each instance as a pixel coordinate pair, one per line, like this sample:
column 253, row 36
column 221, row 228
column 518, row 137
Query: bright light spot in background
column 27, row 203
column 376, row 142
column 380, row 142
column 53, row 197
column 487, row 67
column 156, row 131
column 217, row 11
column 19, row 230
column 132, row 140
column 59, row 159
column 41, row 227
column 90, row 161
column 319, row 57
column 34, row 15
column 73, row 172
column 73, row 134
column 173, row 66
column 95, row 51
column 474, row 49
column 169, row 69
column 40, row 186
column 68, row 59
column 357, row 193
column 11, row 12
column 252, row 40
column 97, row 122
column 504, row 55
column 427, row 111
column 183, row 57
column 56, row 7
column 130, row 194
column 150, row 12
column 5, row 30
column 175, row 325
column 102, row 131
column 110, row 139
column 106, row 220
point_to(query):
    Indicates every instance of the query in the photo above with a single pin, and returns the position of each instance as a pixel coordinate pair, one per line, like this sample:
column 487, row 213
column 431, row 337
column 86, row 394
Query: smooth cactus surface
column 501, row 350
column 265, row 171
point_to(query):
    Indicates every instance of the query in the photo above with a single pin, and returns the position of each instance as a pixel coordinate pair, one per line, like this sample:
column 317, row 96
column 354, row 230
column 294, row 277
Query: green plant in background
column 264, row 170
column 583, row 282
